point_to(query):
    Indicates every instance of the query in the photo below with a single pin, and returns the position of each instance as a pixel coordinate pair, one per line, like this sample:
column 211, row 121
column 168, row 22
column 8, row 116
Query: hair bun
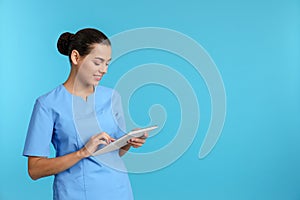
column 63, row 43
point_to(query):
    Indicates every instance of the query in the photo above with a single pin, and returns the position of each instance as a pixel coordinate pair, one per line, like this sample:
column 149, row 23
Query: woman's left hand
column 134, row 142
column 138, row 141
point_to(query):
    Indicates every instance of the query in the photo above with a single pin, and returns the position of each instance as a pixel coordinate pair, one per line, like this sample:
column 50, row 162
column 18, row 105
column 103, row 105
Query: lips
column 98, row 77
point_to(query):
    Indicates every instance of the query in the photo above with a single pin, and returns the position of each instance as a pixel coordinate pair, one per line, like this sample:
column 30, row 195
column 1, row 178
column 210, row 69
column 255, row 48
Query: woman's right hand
column 41, row 166
column 92, row 145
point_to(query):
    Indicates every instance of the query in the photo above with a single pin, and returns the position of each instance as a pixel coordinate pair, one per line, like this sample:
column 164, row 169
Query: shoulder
column 50, row 97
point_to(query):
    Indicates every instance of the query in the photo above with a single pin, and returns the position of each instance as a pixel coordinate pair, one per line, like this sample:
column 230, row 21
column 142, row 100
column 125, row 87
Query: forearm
column 39, row 167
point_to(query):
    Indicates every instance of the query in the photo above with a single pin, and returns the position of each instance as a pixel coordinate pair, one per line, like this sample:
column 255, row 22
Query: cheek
column 86, row 69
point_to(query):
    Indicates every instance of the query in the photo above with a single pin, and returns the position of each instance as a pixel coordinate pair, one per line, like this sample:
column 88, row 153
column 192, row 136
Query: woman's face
column 94, row 65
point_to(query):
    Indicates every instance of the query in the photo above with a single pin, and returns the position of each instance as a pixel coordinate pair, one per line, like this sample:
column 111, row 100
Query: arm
column 39, row 167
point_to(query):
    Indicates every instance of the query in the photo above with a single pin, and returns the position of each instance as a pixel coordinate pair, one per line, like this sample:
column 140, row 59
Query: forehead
column 101, row 50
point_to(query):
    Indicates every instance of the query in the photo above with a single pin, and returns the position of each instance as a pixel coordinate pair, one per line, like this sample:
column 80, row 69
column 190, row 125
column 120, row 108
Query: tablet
column 122, row 141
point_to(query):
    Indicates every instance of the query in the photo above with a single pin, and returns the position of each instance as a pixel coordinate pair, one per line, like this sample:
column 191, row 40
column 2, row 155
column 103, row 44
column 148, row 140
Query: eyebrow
column 99, row 58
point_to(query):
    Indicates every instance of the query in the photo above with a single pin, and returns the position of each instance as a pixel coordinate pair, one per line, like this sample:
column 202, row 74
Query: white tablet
column 122, row 141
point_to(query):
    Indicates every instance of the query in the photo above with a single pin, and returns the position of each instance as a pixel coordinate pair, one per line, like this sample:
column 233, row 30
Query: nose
column 103, row 69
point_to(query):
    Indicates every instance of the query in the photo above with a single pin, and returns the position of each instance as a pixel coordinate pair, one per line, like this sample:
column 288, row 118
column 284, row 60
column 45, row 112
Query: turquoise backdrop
column 256, row 46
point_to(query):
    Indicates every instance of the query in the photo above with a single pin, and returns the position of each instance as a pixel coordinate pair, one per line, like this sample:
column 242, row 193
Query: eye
column 97, row 64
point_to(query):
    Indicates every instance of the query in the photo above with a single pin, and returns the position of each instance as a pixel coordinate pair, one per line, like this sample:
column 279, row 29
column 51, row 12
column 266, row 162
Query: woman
column 77, row 117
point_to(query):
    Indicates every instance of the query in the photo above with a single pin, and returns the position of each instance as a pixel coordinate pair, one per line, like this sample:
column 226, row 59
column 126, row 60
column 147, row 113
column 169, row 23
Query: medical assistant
column 68, row 122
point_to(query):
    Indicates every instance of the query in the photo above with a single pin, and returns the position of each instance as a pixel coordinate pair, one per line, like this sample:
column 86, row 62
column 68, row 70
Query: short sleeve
column 39, row 132
column 117, row 110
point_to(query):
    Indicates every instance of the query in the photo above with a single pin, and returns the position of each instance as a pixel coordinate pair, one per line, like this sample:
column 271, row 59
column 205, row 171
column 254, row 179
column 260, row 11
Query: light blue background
column 256, row 47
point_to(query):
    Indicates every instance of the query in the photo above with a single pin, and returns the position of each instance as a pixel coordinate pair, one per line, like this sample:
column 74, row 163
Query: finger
column 135, row 141
column 146, row 135
column 135, row 144
column 102, row 141
column 138, row 140
column 103, row 134
column 106, row 137
column 110, row 139
column 97, row 136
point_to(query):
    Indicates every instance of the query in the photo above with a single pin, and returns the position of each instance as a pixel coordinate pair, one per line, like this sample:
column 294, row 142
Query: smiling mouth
column 98, row 77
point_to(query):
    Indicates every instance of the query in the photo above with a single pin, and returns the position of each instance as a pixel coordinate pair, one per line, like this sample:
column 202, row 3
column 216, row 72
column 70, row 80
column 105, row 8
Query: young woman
column 57, row 118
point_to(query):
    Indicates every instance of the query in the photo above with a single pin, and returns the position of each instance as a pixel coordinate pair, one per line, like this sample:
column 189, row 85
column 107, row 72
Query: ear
column 75, row 57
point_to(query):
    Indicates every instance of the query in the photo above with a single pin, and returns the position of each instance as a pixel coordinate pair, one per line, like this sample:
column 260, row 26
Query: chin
column 96, row 83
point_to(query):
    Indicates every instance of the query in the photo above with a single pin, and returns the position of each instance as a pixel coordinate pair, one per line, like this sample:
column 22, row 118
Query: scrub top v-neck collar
column 89, row 99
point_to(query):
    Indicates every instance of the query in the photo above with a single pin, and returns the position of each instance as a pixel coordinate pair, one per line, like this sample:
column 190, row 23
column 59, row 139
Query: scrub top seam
column 84, row 185
column 78, row 148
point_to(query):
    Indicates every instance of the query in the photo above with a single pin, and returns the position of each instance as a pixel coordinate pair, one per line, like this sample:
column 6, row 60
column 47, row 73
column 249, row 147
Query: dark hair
column 81, row 41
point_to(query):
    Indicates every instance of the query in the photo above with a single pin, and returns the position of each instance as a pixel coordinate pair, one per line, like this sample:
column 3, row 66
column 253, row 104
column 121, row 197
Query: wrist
column 126, row 147
column 83, row 153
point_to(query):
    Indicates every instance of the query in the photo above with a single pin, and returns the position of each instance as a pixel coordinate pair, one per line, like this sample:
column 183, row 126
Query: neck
column 76, row 87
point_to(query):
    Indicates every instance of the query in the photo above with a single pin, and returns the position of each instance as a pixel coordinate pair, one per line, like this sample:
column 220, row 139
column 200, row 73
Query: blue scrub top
column 68, row 122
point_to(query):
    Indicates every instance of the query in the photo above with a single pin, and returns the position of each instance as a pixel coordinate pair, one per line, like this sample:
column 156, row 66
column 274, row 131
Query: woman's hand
column 92, row 145
column 135, row 142
column 40, row 166
column 138, row 141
